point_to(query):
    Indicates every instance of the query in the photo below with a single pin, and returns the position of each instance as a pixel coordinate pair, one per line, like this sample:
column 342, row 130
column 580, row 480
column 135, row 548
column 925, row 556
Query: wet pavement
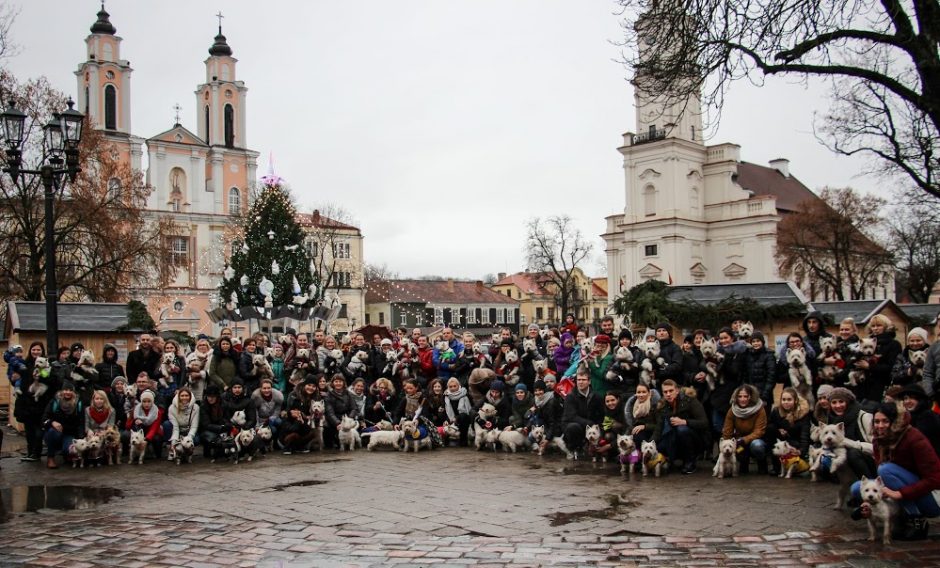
column 450, row 507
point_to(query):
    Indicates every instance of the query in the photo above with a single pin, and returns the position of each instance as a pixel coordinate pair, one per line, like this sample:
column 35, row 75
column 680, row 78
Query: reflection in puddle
column 32, row 498
column 305, row 483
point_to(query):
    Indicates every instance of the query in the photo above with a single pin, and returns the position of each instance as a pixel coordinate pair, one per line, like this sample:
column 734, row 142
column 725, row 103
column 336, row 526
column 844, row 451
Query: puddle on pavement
column 33, row 498
column 304, row 483
column 588, row 468
column 616, row 502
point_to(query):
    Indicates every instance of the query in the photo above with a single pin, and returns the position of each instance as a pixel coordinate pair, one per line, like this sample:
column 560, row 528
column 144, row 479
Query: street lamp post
column 62, row 136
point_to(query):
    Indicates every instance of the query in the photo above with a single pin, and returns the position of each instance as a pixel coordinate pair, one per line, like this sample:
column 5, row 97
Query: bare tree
column 331, row 256
column 914, row 237
column 489, row 279
column 379, row 272
column 554, row 249
column 105, row 247
column 880, row 56
column 831, row 242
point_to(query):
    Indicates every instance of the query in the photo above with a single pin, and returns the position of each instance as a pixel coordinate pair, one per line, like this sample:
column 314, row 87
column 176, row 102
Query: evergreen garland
column 649, row 303
column 271, row 249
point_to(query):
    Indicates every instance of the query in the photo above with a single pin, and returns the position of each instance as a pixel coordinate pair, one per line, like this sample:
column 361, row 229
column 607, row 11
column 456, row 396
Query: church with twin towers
column 199, row 178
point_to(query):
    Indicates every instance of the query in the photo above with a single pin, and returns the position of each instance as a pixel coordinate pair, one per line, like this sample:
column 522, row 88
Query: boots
column 762, row 467
column 911, row 528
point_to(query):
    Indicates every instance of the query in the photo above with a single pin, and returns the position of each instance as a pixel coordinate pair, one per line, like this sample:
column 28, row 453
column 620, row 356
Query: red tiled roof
column 316, row 220
column 528, row 282
column 763, row 180
column 434, row 291
column 597, row 290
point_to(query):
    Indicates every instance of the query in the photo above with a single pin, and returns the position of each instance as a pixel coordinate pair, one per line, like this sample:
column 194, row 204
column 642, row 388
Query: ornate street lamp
column 62, row 136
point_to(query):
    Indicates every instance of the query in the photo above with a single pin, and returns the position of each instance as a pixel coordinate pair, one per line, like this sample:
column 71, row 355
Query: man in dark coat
column 583, row 407
column 144, row 358
column 681, row 426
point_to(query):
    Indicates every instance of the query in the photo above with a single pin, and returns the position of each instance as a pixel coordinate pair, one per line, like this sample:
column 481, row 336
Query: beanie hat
column 67, row 386
column 75, row 346
column 534, row 326
column 663, row 325
column 625, row 334
column 147, row 394
column 497, row 385
column 118, row 380
column 312, row 379
column 841, row 393
column 602, row 340
column 913, row 391
column 824, row 391
column 291, row 331
column 919, row 331
column 539, row 385
column 385, row 341
column 688, row 339
column 211, row 390
column 759, row 336
column 520, row 387
column 237, row 381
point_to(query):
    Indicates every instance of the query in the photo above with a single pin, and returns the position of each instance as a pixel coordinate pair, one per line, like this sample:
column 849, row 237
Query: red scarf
column 99, row 416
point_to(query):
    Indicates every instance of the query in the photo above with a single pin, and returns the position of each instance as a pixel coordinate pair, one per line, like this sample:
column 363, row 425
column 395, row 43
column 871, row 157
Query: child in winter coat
column 521, row 403
column 99, row 415
column 16, row 366
column 458, row 408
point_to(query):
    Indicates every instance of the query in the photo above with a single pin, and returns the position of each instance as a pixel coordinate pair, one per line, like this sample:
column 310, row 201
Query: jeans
column 718, row 423
column 57, row 442
column 680, row 442
column 895, row 477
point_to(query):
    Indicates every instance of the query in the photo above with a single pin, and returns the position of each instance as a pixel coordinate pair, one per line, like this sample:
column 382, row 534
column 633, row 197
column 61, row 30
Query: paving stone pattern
column 450, row 507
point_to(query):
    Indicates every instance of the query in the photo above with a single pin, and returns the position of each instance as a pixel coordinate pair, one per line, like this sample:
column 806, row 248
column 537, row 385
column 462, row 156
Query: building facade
column 695, row 213
column 538, row 302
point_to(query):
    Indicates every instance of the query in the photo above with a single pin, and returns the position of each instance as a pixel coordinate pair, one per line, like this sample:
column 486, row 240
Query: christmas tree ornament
column 244, row 280
column 244, row 248
column 275, row 268
column 266, row 287
column 271, row 234
column 268, row 304
column 229, row 272
column 296, row 285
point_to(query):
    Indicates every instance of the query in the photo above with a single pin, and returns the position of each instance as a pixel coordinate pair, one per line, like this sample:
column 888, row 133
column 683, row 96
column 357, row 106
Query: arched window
column 234, row 201
column 649, row 200
column 207, row 125
column 110, row 107
column 229, row 126
column 114, row 190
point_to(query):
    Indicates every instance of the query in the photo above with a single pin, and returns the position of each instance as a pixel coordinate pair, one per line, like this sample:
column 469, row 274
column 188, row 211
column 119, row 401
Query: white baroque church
column 199, row 179
column 696, row 213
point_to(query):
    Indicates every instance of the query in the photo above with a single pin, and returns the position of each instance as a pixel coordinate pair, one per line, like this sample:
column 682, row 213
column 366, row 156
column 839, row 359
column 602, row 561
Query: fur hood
column 801, row 410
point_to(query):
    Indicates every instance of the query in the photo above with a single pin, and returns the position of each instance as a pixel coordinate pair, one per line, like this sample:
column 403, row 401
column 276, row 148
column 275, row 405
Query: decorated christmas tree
column 269, row 269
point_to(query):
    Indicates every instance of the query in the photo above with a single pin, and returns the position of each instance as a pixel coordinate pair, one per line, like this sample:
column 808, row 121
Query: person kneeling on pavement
column 746, row 423
column 583, row 407
column 63, row 420
column 681, row 425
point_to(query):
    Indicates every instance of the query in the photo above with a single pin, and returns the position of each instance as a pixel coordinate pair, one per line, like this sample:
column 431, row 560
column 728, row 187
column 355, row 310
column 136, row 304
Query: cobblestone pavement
column 450, row 507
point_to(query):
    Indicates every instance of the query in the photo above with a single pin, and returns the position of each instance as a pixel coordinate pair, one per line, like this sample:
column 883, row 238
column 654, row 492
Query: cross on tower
column 220, row 16
column 177, row 108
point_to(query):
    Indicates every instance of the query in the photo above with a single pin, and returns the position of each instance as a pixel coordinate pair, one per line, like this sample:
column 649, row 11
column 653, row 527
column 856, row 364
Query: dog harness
column 631, row 458
column 420, row 433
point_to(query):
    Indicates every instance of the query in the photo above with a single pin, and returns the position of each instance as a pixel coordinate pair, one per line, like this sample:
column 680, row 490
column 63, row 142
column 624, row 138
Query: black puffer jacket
column 232, row 404
column 108, row 369
column 758, row 368
column 878, row 378
column 339, row 404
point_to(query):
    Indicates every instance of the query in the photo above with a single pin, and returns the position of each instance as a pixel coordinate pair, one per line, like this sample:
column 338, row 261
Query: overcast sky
column 440, row 125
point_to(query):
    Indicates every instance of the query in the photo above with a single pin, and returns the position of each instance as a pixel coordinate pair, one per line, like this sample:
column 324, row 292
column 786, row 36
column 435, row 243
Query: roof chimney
column 450, row 284
column 316, row 216
column 479, row 285
column 500, row 275
column 782, row 165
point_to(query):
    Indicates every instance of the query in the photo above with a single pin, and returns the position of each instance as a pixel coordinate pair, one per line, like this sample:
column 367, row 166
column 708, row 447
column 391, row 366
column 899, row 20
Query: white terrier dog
column 727, row 463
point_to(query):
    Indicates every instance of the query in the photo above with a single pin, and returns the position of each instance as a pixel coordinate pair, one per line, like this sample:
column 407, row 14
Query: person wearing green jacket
column 598, row 363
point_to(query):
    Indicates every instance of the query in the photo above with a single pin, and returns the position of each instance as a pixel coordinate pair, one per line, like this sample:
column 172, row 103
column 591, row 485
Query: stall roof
column 73, row 316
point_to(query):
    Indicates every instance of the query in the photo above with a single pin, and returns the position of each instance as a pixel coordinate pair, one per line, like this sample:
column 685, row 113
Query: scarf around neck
column 413, row 403
column 642, row 409
column 747, row 411
column 546, row 397
column 462, row 392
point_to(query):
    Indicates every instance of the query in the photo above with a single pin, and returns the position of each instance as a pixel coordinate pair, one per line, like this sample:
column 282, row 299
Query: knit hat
column 550, row 377
column 385, row 341
column 534, row 326
column 118, row 380
column 237, row 381
column 688, row 339
column 824, row 391
column 602, row 339
column 147, row 394
column 539, row 385
column 211, row 390
column 759, row 336
column 67, row 386
column 520, row 387
column 919, row 331
column 291, row 331
column 76, row 346
column 663, row 325
column 625, row 334
column 497, row 385
column 312, row 379
column 913, row 391
column 841, row 393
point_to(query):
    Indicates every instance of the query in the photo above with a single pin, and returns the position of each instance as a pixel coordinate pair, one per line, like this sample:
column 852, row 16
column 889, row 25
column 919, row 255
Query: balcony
column 645, row 137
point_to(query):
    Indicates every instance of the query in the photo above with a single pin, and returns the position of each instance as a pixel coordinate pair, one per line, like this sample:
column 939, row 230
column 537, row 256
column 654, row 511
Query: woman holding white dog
column 640, row 414
column 183, row 418
column 789, row 421
column 746, row 422
column 909, row 468
column 858, row 430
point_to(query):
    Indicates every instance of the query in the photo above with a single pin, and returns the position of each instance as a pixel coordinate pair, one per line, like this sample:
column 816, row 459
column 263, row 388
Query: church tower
column 104, row 89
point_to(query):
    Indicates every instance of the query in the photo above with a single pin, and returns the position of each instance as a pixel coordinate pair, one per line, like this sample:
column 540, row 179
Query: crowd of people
column 685, row 397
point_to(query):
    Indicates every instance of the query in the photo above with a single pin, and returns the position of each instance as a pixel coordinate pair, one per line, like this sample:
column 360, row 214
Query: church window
column 234, row 201
column 649, row 200
column 114, row 189
column 207, row 124
column 650, row 250
column 180, row 250
column 110, row 107
column 229, row 126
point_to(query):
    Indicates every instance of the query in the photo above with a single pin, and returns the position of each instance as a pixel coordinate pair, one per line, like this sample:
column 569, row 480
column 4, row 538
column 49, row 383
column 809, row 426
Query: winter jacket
column 878, row 376
column 812, row 339
column 445, row 366
column 266, row 409
column 858, row 426
column 117, row 403
column 914, row 453
column 212, row 418
column 585, row 410
column 466, row 363
column 796, row 433
column 598, row 369
column 73, row 423
column 751, row 428
column 692, row 366
column 338, row 405
column 327, row 364
column 519, row 409
column 613, row 421
column 758, row 368
column 91, row 425
column 649, row 420
column 455, row 407
column 426, row 368
column 672, row 355
column 185, row 422
column 389, row 403
column 26, row 408
column 928, row 422
column 550, row 415
column 903, row 373
column 365, row 372
column 246, row 367
column 223, row 367
column 138, row 361
column 932, row 369
column 730, row 371
column 628, row 374
column 232, row 404
column 175, row 379
column 503, row 412
column 687, row 408
column 108, row 369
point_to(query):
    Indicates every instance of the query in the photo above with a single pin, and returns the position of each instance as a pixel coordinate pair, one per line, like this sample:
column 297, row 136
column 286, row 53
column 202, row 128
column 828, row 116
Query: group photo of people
column 840, row 406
